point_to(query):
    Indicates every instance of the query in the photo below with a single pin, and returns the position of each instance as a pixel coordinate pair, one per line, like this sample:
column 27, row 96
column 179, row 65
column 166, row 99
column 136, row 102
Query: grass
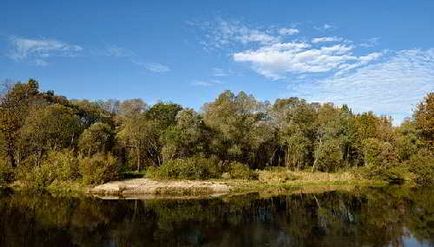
column 279, row 180
column 269, row 182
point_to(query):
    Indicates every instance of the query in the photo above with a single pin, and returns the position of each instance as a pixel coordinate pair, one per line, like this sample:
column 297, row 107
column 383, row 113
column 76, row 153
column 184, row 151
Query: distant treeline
column 41, row 132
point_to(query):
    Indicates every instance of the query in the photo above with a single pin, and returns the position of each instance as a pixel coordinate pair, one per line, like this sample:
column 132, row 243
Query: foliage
column 99, row 168
column 233, row 129
column 58, row 166
column 239, row 170
column 276, row 175
column 140, row 137
column 378, row 153
column 424, row 120
column 50, row 128
column 6, row 172
column 99, row 137
column 422, row 166
column 196, row 167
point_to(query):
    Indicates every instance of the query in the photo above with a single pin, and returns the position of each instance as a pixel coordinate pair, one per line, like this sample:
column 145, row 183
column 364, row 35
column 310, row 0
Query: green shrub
column 57, row 166
column 196, row 167
column 6, row 172
column 276, row 174
column 392, row 174
column 239, row 170
column 422, row 167
column 99, row 168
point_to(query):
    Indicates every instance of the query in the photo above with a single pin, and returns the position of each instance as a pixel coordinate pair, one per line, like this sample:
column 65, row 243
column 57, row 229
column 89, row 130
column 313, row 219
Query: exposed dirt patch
column 143, row 187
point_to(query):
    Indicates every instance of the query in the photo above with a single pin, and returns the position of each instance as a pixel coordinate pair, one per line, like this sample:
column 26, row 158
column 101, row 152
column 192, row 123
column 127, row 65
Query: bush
column 422, row 167
column 99, row 168
column 6, row 172
column 241, row 171
column 276, row 174
column 393, row 174
column 58, row 166
column 196, row 167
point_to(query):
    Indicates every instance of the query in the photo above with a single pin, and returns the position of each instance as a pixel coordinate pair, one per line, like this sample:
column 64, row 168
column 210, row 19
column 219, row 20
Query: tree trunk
column 138, row 158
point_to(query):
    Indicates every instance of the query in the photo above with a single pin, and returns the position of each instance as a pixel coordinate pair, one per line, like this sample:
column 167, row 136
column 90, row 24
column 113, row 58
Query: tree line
column 107, row 137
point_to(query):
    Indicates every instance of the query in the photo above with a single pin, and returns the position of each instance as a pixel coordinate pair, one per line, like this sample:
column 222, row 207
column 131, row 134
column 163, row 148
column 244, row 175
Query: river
column 388, row 216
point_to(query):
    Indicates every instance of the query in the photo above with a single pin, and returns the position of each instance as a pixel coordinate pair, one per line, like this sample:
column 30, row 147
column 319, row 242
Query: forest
column 46, row 138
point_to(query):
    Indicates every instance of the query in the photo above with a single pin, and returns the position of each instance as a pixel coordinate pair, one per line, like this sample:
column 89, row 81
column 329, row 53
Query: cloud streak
column 39, row 50
column 156, row 67
column 391, row 87
column 276, row 61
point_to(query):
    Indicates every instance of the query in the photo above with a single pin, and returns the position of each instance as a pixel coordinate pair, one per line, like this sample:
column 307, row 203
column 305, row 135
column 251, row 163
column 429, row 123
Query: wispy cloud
column 288, row 31
column 326, row 39
column 117, row 51
column 39, row 50
column 325, row 27
column 219, row 72
column 221, row 33
column 278, row 60
column 156, row 67
column 205, row 83
column 274, row 53
column 391, row 87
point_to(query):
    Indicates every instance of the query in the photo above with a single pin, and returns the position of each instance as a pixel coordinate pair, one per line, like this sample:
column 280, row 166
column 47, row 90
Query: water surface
column 365, row 217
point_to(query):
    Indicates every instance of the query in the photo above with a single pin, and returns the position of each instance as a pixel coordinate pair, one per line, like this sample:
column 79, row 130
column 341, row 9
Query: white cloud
column 38, row 50
column 326, row 39
column 370, row 42
column 325, row 27
column 222, row 33
column 288, row 31
column 219, row 72
column 116, row 51
column 391, row 87
column 207, row 83
column 156, row 67
column 277, row 60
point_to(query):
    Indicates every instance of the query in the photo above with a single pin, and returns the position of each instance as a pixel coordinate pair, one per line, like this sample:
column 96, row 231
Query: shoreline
column 268, row 184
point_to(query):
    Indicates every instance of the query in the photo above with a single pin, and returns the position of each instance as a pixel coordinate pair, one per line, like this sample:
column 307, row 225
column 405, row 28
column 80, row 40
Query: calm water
column 368, row 217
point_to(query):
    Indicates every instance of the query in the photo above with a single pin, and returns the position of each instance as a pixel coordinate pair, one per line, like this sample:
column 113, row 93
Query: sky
column 371, row 55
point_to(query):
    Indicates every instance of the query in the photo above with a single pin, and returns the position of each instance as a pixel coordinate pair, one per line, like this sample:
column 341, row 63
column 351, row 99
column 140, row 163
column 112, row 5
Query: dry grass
column 281, row 180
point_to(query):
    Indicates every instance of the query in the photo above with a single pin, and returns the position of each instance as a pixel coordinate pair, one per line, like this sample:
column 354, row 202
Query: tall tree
column 14, row 106
column 424, row 120
column 49, row 128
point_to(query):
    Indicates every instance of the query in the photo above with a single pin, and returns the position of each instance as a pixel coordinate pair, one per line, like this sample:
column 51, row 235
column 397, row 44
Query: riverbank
column 268, row 183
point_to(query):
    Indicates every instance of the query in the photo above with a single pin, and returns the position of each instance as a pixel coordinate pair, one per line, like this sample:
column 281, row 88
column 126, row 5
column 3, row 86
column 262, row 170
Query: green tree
column 424, row 120
column 164, row 114
column 238, row 125
column 140, row 136
column 186, row 138
column 99, row 137
column 50, row 128
column 14, row 106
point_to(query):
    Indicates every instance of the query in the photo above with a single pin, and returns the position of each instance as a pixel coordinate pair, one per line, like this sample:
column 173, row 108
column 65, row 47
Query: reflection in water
column 374, row 217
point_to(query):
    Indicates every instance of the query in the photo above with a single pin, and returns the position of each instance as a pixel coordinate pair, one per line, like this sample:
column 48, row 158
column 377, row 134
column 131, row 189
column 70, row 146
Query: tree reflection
column 373, row 217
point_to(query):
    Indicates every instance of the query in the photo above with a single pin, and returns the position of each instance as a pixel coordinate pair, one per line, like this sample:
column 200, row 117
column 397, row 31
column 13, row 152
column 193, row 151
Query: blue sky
column 373, row 55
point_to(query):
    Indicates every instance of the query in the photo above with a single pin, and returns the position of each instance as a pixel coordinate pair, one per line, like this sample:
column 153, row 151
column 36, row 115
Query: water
column 364, row 217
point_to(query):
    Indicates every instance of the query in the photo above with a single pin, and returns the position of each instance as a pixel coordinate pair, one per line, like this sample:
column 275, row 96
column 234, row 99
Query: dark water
column 365, row 217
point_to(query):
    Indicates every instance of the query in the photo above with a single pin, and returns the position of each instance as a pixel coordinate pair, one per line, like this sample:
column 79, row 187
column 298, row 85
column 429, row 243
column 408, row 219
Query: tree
column 163, row 113
column 141, row 138
column 238, row 126
column 424, row 120
column 14, row 106
column 294, row 120
column 132, row 107
column 98, row 138
column 186, row 138
column 50, row 128
column 378, row 153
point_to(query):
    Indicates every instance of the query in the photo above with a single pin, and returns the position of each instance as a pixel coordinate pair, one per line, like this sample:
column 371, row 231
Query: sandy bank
column 143, row 187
